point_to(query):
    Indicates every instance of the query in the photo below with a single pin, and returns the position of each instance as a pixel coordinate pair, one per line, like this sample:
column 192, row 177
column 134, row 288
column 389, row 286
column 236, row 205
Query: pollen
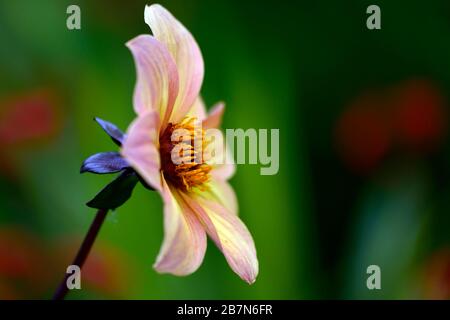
column 183, row 157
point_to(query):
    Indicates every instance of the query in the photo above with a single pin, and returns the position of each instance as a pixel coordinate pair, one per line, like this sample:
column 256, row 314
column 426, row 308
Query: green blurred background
column 364, row 150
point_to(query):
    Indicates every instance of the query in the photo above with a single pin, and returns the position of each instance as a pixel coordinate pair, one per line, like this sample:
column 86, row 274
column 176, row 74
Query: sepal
column 115, row 133
column 115, row 193
column 104, row 162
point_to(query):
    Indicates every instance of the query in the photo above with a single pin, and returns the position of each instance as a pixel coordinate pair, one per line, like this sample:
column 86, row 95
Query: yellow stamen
column 190, row 169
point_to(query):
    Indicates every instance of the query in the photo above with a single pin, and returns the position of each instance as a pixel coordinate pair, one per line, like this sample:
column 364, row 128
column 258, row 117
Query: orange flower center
column 182, row 147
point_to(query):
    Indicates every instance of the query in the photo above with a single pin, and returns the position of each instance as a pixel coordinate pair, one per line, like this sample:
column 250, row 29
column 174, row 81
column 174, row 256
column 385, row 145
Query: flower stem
column 83, row 252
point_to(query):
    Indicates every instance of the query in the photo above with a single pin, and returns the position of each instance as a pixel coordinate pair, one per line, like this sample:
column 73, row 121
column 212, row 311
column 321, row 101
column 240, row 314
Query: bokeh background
column 364, row 148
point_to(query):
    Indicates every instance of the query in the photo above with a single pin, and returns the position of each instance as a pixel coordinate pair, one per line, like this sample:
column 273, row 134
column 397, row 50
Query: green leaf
column 115, row 193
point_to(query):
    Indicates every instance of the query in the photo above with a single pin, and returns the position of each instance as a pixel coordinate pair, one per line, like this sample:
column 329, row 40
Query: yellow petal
column 229, row 234
column 222, row 192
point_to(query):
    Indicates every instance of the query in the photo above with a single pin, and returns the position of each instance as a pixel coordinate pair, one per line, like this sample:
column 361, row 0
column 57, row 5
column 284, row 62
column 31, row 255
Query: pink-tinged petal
column 157, row 77
column 214, row 119
column 223, row 163
column 218, row 155
column 222, row 192
column 184, row 243
column 223, row 171
column 229, row 234
column 140, row 148
column 184, row 50
column 198, row 110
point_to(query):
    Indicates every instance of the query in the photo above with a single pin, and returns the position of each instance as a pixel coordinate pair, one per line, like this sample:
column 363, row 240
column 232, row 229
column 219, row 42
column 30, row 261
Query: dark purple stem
column 83, row 252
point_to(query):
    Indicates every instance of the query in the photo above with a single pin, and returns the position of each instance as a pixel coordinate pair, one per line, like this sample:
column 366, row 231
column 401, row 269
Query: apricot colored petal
column 229, row 234
column 184, row 50
column 157, row 77
column 184, row 242
column 214, row 118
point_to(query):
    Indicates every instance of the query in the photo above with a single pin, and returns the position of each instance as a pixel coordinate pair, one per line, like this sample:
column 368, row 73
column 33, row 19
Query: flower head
column 198, row 200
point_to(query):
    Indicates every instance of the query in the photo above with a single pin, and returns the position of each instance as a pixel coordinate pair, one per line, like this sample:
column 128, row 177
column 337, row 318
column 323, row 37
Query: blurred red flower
column 29, row 119
column 409, row 117
column 437, row 275
column 363, row 135
column 30, row 268
column 419, row 115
